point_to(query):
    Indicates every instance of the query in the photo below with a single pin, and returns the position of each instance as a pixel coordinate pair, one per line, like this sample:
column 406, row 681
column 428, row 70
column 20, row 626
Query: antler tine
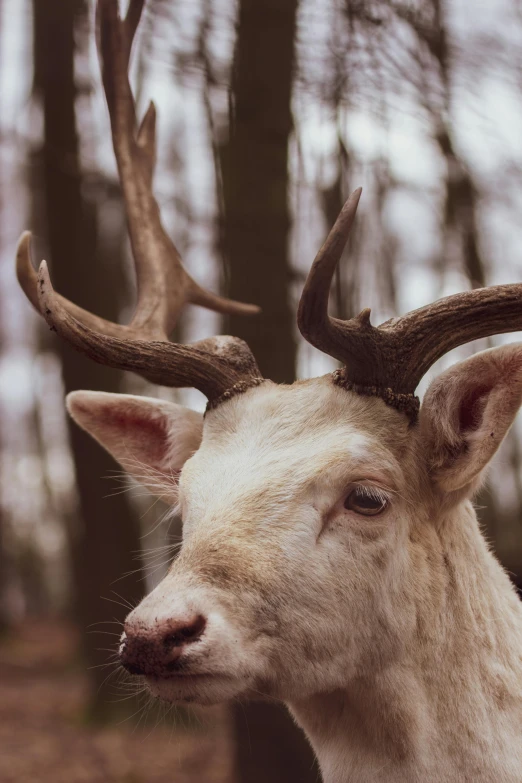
column 132, row 20
column 346, row 341
column 28, row 279
column 163, row 284
column 213, row 365
column 312, row 315
column 390, row 360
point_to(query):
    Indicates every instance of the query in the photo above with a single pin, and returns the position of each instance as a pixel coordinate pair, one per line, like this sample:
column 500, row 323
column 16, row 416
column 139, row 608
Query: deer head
column 312, row 513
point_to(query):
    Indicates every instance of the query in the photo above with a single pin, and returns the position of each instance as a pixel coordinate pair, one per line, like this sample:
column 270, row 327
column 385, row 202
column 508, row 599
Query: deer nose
column 155, row 650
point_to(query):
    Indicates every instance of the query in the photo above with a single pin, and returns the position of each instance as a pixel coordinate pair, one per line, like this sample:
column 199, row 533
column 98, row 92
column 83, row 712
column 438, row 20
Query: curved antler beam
column 213, row 365
column 390, row 360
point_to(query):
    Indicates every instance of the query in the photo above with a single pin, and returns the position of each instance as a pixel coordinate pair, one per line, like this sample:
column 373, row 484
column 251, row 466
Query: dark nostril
column 187, row 633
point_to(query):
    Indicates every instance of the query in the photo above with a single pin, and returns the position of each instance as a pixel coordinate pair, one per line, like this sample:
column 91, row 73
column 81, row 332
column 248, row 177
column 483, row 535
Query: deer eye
column 367, row 501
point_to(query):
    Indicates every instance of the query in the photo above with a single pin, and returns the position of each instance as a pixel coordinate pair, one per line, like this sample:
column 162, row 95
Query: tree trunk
column 4, row 577
column 256, row 232
column 255, row 182
column 106, row 539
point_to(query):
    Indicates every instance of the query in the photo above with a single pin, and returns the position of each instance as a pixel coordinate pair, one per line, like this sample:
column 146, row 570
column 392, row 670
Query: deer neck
column 448, row 705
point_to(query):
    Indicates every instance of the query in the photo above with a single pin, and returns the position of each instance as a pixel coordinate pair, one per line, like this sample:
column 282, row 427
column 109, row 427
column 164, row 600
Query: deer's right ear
column 466, row 414
column 150, row 438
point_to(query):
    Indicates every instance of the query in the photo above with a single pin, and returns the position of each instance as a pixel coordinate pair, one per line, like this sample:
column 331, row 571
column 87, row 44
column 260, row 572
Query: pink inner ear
column 472, row 408
column 150, row 433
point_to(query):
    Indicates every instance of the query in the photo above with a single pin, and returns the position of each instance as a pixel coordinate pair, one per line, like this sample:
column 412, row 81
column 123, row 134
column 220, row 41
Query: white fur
column 395, row 640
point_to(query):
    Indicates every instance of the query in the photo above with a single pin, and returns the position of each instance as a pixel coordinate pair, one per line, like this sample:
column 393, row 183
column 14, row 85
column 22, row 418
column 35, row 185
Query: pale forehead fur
column 285, row 436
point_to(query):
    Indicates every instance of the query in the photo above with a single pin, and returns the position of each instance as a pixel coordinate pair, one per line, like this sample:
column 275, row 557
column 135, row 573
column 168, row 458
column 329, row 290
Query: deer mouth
column 180, row 676
column 197, row 687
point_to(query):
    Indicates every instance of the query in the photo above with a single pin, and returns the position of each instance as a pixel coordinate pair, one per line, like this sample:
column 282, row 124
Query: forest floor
column 44, row 737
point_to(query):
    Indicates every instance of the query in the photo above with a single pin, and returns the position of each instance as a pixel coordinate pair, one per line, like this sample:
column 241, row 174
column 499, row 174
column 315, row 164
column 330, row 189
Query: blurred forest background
column 270, row 113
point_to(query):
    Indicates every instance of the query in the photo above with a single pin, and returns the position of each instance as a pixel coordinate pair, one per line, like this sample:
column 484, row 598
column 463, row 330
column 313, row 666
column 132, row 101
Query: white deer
column 331, row 554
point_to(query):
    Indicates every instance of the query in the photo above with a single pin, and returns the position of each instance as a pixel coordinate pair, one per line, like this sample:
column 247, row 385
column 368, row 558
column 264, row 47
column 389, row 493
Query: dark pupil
column 366, row 501
column 363, row 501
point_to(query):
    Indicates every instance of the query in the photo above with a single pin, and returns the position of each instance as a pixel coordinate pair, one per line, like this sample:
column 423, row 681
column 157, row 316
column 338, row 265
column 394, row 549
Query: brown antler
column 164, row 287
column 389, row 360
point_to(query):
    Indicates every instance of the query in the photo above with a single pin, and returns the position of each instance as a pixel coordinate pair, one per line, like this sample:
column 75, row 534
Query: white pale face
column 295, row 513
column 315, row 522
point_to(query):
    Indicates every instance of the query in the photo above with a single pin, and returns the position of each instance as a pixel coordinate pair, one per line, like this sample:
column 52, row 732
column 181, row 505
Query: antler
column 389, row 360
column 164, row 287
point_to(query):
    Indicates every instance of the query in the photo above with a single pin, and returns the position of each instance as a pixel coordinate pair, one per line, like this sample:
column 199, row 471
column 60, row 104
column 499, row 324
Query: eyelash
column 372, row 492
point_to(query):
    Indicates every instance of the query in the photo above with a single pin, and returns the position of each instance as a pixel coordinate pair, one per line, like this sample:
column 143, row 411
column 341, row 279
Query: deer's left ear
column 466, row 414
